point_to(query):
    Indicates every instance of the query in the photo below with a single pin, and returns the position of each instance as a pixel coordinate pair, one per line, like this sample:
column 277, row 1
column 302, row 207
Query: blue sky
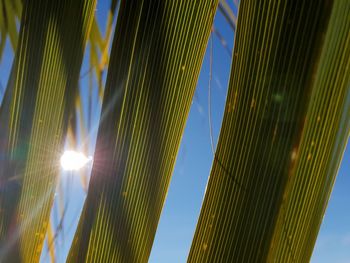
column 181, row 210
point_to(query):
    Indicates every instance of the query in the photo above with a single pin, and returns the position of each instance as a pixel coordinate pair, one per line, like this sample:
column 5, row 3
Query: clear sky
column 181, row 210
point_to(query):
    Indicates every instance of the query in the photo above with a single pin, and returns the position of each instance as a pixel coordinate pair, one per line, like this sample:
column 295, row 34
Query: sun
column 73, row 160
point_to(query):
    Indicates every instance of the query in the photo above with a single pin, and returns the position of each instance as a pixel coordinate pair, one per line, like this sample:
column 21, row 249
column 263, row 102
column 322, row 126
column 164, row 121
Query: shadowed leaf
column 155, row 61
column 285, row 127
column 34, row 118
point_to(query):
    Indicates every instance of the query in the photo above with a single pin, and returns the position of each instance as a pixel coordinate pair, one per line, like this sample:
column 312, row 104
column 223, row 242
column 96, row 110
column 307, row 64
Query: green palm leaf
column 155, row 61
column 321, row 146
column 284, row 131
column 34, row 117
column 10, row 10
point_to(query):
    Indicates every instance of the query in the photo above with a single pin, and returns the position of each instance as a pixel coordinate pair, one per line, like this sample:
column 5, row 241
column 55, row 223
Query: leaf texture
column 321, row 148
column 34, row 118
column 155, row 61
column 285, row 127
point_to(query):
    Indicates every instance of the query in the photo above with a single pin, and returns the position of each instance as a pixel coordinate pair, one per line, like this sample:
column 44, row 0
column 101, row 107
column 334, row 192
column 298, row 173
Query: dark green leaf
column 285, row 127
column 155, row 61
column 34, row 118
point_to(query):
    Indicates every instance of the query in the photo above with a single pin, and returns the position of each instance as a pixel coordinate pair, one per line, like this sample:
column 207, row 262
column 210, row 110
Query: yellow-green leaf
column 284, row 130
column 326, row 132
column 155, row 61
column 34, row 118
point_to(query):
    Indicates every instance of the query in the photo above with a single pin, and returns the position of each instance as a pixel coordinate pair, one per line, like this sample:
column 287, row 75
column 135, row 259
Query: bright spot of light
column 73, row 161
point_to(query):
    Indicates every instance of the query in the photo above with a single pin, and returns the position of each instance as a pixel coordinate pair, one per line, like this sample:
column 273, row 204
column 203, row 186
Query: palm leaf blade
column 154, row 65
column 306, row 195
column 276, row 95
column 34, row 118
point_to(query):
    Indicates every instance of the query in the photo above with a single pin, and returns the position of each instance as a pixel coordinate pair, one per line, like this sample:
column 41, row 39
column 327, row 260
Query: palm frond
column 325, row 136
column 155, row 61
column 285, row 127
column 10, row 10
column 50, row 242
column 34, row 118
